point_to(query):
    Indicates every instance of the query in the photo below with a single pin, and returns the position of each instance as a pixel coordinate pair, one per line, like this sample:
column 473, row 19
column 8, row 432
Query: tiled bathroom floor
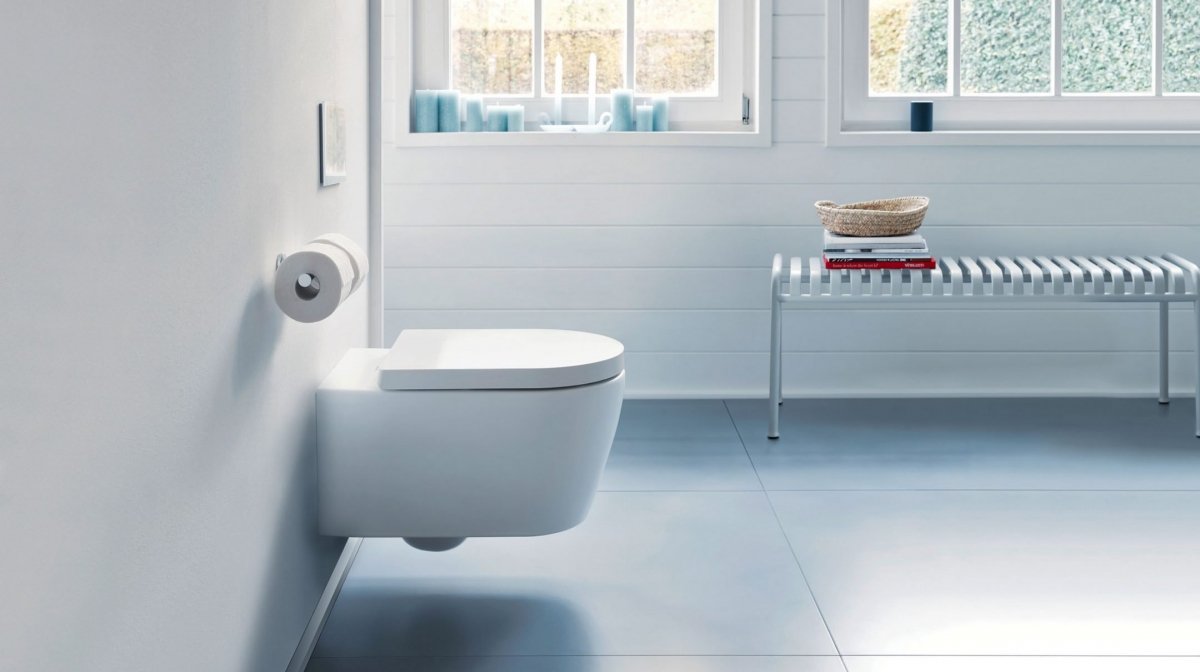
column 875, row 536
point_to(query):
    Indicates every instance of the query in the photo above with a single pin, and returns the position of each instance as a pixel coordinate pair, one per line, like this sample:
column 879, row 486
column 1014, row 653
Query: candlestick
column 558, row 89
column 592, row 89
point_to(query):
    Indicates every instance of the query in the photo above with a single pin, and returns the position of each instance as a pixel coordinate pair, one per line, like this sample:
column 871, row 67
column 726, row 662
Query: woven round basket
column 889, row 217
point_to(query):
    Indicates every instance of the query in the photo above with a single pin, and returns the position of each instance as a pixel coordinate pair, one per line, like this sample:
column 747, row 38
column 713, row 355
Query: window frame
column 858, row 117
column 695, row 120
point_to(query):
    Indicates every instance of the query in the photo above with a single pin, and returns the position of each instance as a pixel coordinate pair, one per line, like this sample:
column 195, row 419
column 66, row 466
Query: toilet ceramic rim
column 499, row 359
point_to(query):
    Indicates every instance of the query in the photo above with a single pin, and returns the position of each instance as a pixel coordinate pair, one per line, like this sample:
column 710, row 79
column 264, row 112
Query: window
column 1017, row 65
column 703, row 54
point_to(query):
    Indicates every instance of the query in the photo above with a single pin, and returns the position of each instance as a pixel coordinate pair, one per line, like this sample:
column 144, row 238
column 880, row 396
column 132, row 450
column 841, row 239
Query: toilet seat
column 499, row 359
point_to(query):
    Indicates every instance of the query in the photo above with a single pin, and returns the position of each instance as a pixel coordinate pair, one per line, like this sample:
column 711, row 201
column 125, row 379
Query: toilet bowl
column 466, row 433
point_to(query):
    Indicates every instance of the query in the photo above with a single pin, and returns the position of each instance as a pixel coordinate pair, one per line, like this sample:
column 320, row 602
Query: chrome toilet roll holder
column 307, row 285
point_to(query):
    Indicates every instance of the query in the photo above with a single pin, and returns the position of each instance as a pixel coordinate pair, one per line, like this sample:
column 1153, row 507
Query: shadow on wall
column 422, row 627
column 258, row 335
column 296, row 530
column 299, row 555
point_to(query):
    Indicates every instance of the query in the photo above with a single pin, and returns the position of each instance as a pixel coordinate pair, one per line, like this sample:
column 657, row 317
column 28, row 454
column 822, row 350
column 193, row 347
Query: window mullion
column 1056, row 42
column 539, row 47
column 1159, row 47
column 629, row 46
column 955, row 48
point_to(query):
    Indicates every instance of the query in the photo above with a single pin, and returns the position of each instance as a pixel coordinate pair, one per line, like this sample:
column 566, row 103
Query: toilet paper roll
column 311, row 283
column 357, row 256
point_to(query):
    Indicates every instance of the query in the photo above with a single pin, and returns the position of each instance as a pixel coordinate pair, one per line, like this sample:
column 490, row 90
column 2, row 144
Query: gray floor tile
column 1008, row 444
column 1008, row 573
column 682, row 574
column 583, row 664
column 675, row 419
column 679, row 464
column 1020, row 663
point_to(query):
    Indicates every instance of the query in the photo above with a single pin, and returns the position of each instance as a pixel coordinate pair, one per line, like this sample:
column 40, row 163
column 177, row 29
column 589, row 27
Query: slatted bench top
column 1168, row 277
column 1161, row 279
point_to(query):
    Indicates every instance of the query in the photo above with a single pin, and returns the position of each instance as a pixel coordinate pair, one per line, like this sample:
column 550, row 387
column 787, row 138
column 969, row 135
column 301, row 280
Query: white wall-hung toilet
column 467, row 433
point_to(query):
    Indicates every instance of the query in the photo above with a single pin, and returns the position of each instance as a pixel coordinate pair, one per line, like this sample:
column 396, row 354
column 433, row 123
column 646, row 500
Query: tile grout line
column 786, row 539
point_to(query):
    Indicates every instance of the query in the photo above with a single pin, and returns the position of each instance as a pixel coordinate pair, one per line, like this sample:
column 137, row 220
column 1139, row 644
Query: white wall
column 157, row 486
column 669, row 250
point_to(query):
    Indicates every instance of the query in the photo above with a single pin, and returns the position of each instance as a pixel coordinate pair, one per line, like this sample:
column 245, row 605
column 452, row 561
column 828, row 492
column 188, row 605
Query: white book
column 879, row 254
column 913, row 241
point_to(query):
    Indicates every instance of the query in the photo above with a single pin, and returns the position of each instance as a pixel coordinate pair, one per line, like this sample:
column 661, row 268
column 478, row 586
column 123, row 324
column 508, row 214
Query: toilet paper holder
column 313, row 282
column 308, row 286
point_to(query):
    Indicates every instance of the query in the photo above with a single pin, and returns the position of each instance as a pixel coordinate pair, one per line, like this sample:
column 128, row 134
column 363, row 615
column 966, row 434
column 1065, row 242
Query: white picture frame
column 332, row 142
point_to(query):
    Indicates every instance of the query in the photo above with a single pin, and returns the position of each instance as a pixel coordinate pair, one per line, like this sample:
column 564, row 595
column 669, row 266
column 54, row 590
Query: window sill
column 540, row 139
column 842, row 138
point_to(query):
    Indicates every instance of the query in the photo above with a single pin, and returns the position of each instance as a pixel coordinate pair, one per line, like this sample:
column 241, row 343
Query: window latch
column 745, row 110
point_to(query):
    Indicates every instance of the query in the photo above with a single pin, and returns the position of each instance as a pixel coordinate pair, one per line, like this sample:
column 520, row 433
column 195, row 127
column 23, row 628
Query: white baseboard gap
column 1180, row 392
column 308, row 641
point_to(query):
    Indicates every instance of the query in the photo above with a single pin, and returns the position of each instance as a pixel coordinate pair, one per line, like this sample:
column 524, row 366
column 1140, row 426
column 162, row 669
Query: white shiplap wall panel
column 739, row 246
column 799, row 36
column 799, row 79
column 786, row 7
column 575, row 288
column 913, row 374
column 832, row 330
column 615, row 205
column 668, row 249
column 795, row 164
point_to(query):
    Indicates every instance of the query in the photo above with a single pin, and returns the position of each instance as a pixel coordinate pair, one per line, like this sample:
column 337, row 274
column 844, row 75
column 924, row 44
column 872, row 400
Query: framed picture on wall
column 333, row 143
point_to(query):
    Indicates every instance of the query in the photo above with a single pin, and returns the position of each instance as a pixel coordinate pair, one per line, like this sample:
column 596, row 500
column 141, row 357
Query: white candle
column 592, row 90
column 558, row 92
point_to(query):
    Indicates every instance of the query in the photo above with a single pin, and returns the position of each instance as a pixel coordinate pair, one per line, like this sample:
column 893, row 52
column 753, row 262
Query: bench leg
column 1164, row 313
column 1196, row 309
column 779, row 341
column 776, row 392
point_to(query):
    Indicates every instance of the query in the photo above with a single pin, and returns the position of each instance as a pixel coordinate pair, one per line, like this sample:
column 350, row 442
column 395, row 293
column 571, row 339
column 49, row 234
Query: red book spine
column 861, row 265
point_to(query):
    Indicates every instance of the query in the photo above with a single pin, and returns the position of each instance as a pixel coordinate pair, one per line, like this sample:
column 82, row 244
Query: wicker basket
column 889, row 217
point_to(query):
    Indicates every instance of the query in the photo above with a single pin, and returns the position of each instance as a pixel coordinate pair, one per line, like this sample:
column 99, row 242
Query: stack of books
column 888, row 253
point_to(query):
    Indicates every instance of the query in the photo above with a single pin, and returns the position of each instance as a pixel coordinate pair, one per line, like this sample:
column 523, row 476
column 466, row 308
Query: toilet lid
column 499, row 359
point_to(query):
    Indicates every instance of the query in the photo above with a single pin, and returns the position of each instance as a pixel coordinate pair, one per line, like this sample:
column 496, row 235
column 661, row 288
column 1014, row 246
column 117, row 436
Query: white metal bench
column 1162, row 279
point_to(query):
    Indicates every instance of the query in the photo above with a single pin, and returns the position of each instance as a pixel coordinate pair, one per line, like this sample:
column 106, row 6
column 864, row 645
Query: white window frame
column 858, row 118
column 743, row 65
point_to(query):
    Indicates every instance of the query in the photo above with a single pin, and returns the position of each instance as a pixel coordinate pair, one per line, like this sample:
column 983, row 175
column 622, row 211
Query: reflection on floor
column 875, row 536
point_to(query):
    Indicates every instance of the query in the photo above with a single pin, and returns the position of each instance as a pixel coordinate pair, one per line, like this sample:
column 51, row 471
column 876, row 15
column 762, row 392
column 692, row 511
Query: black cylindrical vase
column 922, row 116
